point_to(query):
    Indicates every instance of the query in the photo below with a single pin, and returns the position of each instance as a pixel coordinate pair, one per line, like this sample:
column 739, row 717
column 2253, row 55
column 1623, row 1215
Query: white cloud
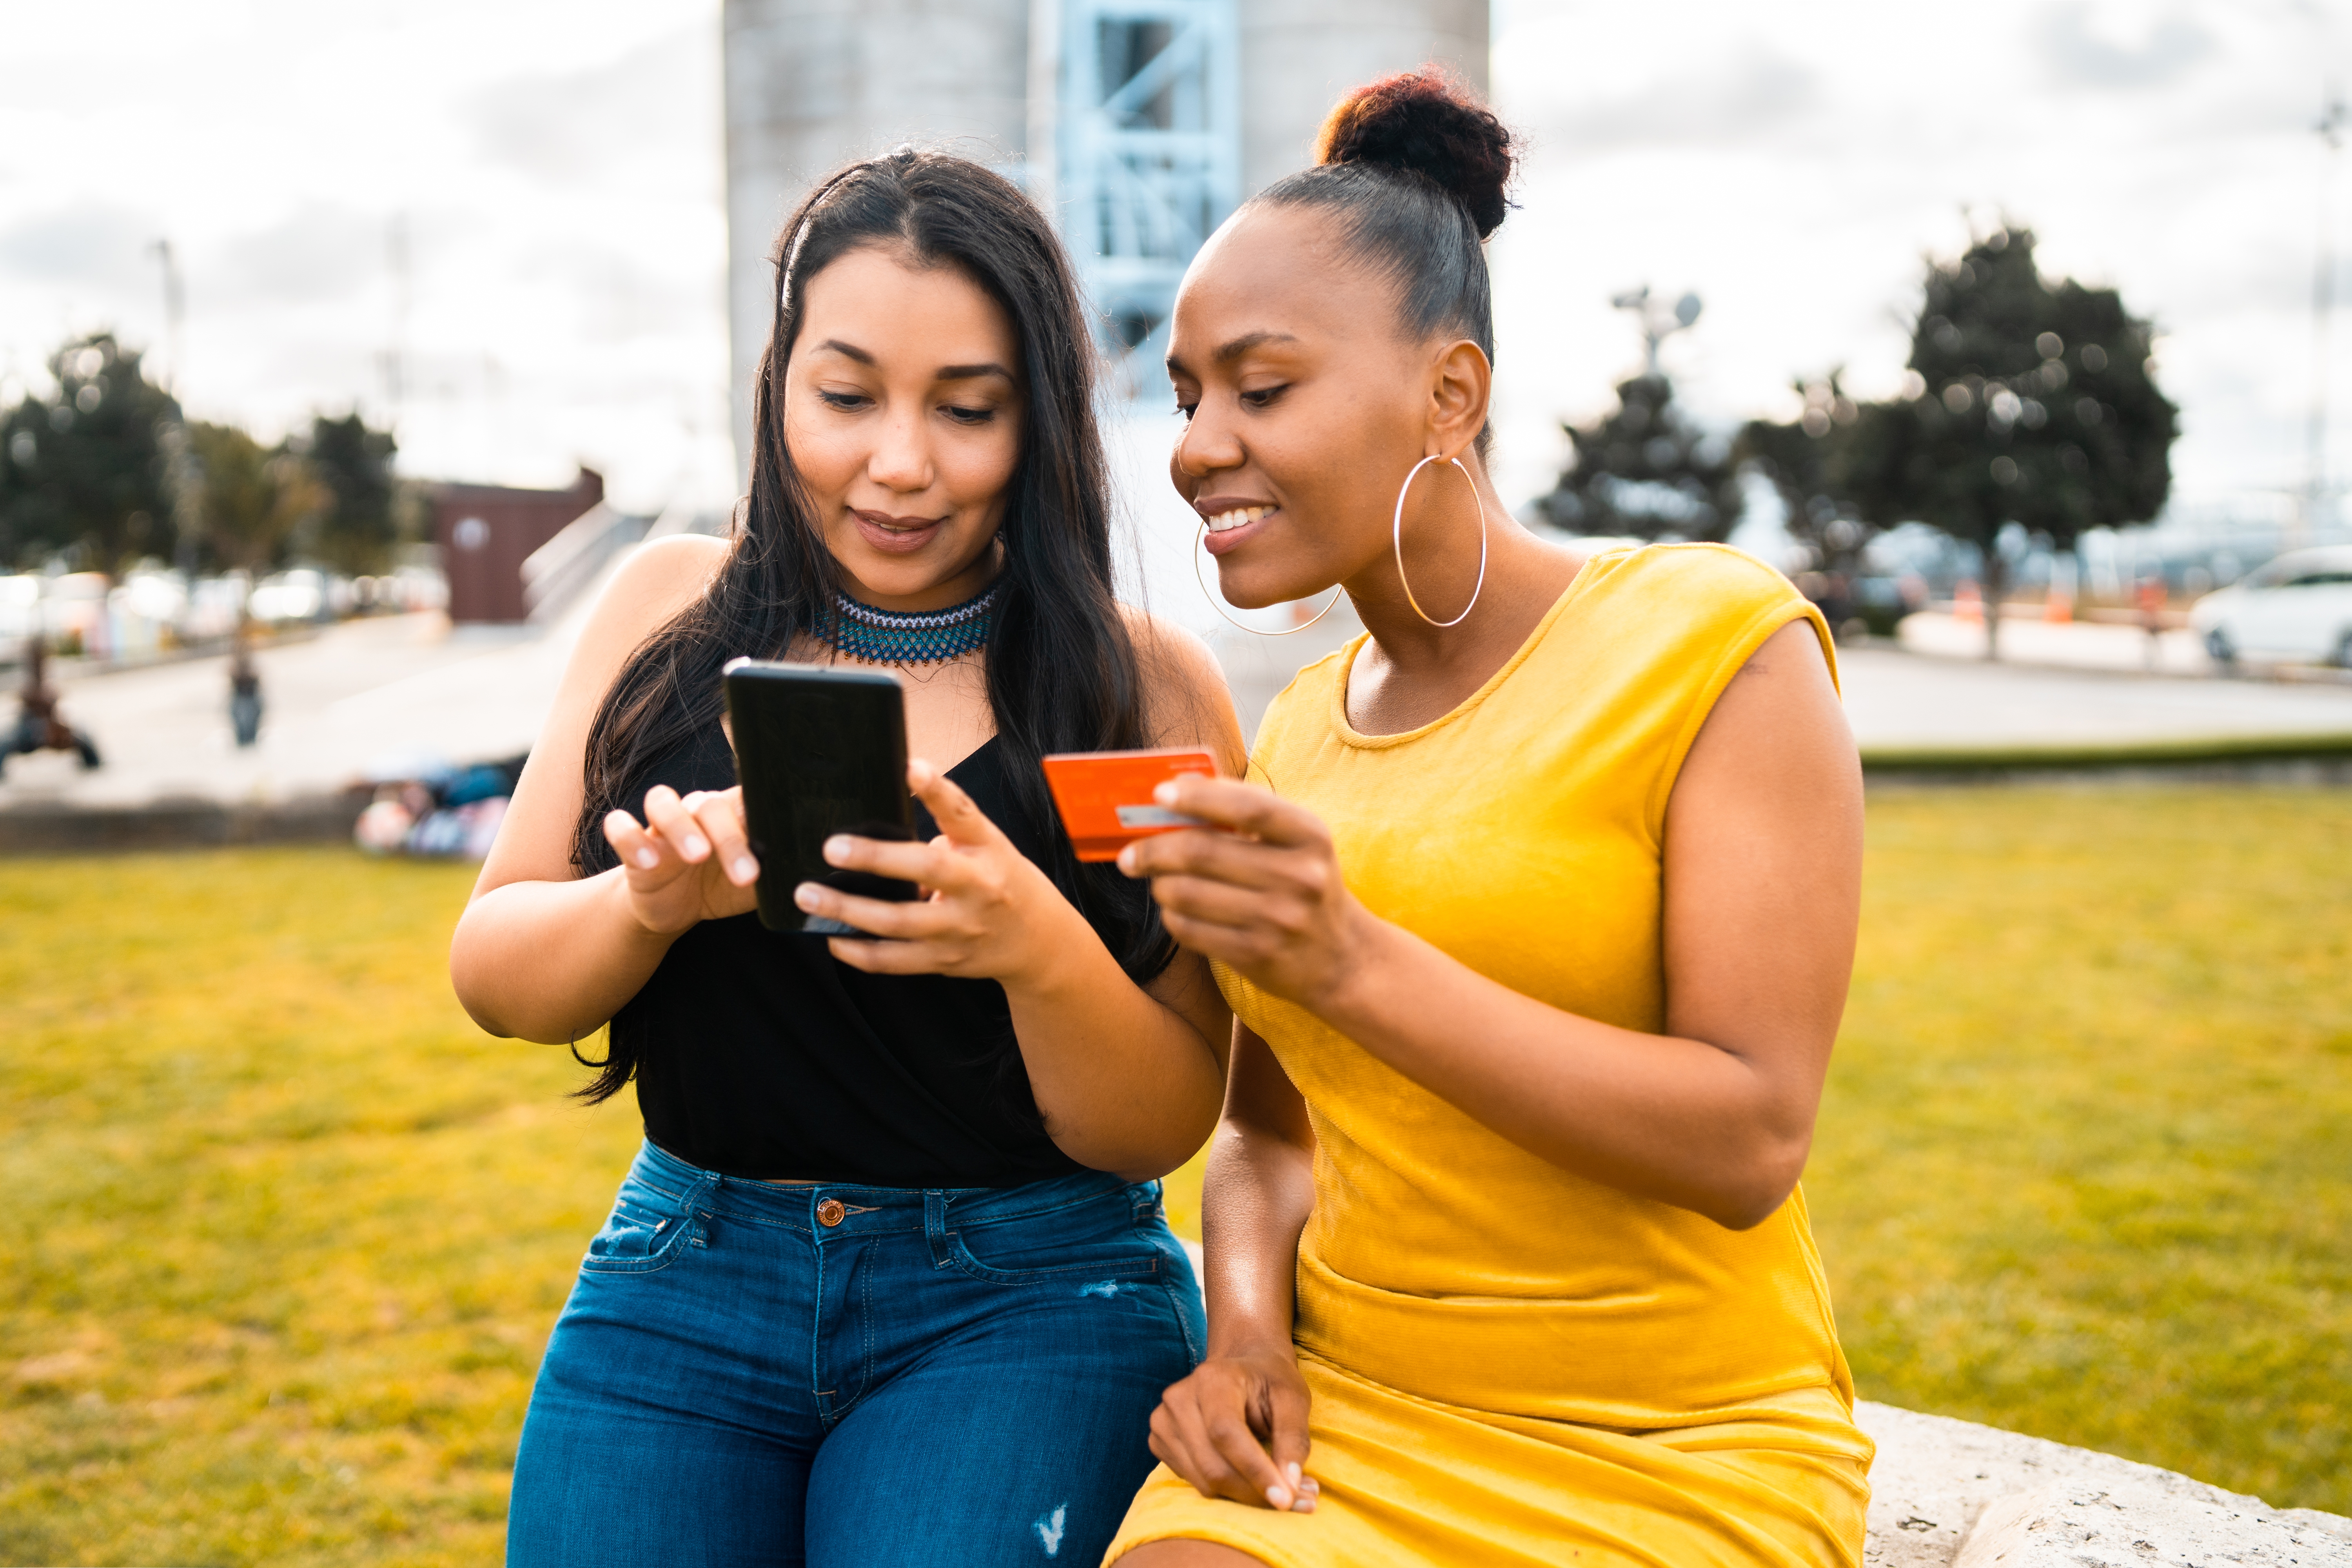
column 558, row 166
column 1794, row 173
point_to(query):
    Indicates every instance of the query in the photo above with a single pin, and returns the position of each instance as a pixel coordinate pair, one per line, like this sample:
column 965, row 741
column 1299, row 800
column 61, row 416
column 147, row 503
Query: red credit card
column 1105, row 797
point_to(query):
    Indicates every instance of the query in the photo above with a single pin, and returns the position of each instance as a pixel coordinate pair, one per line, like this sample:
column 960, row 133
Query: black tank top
column 758, row 1054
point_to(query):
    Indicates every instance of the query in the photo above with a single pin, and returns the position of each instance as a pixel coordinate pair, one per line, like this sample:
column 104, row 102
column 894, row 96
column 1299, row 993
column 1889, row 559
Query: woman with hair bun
column 1537, row 913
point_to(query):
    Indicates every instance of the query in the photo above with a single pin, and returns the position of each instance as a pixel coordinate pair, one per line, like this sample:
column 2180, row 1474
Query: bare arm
column 1127, row 1078
column 541, row 953
column 1236, row 1427
column 1763, row 852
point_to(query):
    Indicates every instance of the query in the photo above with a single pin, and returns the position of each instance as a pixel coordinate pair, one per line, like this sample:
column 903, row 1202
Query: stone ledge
column 1952, row 1494
column 41, row 828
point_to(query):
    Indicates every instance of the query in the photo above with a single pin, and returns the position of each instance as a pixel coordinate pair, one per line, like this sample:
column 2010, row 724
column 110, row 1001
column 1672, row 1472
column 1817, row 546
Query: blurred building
column 486, row 532
column 1139, row 124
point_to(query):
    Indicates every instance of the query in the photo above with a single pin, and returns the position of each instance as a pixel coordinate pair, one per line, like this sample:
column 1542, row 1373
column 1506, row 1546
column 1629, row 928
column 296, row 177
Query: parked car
column 2299, row 607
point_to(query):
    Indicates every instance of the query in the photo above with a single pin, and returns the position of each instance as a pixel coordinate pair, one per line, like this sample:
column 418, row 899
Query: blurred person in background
column 890, row 1281
column 1536, row 914
column 2153, row 598
column 243, row 688
column 38, row 727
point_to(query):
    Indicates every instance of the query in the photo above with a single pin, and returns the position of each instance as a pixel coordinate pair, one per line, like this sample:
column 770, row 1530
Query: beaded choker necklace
column 926, row 636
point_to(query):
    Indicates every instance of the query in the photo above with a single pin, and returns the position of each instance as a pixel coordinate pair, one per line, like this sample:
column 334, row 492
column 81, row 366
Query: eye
column 1263, row 397
column 847, row 402
column 1186, row 410
column 962, row 416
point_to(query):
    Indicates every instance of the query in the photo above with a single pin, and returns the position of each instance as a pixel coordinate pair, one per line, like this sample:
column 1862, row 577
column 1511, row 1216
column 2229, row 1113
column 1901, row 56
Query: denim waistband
column 869, row 1209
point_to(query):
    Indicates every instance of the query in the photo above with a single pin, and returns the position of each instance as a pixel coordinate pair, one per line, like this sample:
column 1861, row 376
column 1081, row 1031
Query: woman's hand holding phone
column 987, row 912
column 688, row 862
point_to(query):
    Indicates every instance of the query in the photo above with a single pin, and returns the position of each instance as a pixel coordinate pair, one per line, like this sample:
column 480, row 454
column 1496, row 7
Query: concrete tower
column 1139, row 124
column 1299, row 55
column 811, row 84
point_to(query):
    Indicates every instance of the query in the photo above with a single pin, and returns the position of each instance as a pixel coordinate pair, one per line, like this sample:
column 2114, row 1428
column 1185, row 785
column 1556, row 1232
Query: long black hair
column 1063, row 673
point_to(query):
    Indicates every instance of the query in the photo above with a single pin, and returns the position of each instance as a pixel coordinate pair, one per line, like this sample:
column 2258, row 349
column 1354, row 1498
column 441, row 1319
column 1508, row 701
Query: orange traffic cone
column 1968, row 604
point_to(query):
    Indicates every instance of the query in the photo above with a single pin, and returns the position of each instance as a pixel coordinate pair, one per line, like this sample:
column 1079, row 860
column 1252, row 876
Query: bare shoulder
column 654, row 583
column 1780, row 719
column 1175, row 649
column 1794, row 651
column 1185, row 688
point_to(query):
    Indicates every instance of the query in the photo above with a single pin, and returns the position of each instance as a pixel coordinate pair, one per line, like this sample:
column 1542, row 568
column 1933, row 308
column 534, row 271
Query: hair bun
column 1428, row 123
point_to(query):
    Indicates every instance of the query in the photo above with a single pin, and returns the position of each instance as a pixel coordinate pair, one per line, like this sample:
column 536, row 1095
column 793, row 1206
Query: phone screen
column 818, row 751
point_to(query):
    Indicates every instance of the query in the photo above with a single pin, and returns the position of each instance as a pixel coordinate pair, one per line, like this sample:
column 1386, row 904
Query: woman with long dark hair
column 1535, row 916
column 890, row 1281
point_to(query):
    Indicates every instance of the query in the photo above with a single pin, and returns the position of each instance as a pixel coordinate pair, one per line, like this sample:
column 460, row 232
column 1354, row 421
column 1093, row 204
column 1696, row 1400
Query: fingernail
column 694, row 847
column 1291, row 1470
column 836, row 850
column 806, row 895
column 1126, row 860
column 746, row 868
column 1165, row 794
column 1306, row 1503
column 1280, row 1498
column 648, row 859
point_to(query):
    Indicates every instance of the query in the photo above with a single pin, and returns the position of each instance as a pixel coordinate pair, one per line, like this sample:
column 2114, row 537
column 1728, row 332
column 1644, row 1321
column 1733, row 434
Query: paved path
column 1910, row 696
column 369, row 692
column 2075, row 644
column 364, row 695
column 1896, row 698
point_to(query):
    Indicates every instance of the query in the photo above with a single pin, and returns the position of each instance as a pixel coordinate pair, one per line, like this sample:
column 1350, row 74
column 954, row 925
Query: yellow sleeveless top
column 1450, row 1283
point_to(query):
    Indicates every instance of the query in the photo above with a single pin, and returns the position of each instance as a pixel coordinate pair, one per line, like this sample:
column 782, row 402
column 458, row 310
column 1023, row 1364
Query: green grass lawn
column 2084, row 1167
column 285, row 1234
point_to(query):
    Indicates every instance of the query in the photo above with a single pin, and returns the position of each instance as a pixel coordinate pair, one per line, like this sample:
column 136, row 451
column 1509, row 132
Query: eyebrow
column 946, row 371
column 1239, row 346
column 1248, row 341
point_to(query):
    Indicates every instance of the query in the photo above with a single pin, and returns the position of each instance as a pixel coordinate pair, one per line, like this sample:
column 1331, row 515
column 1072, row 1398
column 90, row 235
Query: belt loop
column 935, row 1226
column 697, row 1208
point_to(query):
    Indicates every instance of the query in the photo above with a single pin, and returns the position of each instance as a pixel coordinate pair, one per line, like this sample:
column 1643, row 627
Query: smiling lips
column 1232, row 524
column 1236, row 517
column 896, row 536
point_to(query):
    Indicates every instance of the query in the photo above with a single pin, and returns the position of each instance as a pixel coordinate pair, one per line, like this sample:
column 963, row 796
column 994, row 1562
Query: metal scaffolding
column 1146, row 140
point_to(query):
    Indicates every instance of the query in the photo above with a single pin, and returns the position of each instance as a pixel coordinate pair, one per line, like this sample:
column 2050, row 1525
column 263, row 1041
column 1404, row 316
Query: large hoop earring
column 1396, row 535
column 1210, row 594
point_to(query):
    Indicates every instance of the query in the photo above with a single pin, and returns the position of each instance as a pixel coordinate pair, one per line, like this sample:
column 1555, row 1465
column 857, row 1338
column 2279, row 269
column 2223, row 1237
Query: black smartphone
column 818, row 751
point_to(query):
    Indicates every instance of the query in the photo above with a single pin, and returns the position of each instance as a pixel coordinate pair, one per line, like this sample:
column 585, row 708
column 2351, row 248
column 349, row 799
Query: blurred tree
column 1807, row 462
column 83, row 472
column 1647, row 470
column 256, row 501
column 357, row 530
column 2027, row 402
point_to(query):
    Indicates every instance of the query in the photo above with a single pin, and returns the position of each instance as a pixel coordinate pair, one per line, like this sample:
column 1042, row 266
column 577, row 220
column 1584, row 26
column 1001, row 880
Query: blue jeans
column 962, row 1376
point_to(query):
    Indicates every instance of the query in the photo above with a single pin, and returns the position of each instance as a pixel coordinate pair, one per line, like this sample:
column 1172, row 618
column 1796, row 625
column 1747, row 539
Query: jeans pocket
column 1095, row 1242
column 642, row 1233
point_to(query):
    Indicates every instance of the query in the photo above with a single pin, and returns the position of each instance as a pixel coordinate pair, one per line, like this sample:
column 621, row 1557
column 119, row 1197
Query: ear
column 1461, row 383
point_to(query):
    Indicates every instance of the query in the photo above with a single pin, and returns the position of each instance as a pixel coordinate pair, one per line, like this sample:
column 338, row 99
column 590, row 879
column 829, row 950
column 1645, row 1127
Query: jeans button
column 829, row 1212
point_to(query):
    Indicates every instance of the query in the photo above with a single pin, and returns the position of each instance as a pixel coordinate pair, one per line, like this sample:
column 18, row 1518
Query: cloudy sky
column 1792, row 162
column 555, row 169
column 552, row 174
